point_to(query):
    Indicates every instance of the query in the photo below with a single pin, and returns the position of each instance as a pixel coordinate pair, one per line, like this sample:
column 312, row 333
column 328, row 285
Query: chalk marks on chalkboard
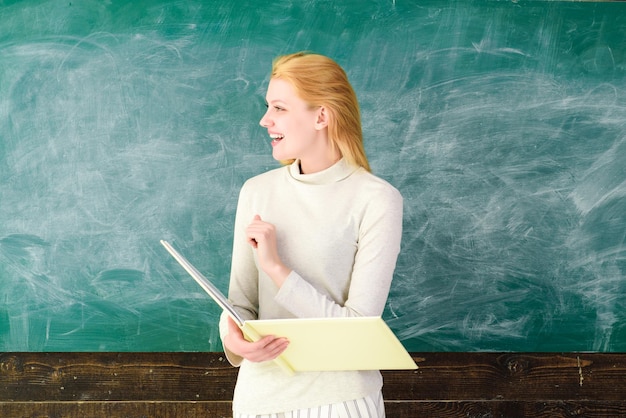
column 501, row 124
column 17, row 245
column 105, row 147
column 604, row 181
column 600, row 197
column 517, row 175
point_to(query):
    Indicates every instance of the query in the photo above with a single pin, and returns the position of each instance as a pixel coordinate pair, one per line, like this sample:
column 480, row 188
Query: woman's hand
column 267, row 348
column 262, row 236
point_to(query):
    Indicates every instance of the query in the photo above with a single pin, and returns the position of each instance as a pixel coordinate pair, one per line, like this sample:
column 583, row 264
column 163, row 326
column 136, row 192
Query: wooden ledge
column 201, row 385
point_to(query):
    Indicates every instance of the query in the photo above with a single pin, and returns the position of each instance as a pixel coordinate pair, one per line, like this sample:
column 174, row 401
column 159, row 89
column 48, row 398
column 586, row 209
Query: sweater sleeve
column 243, row 288
column 233, row 358
column 380, row 234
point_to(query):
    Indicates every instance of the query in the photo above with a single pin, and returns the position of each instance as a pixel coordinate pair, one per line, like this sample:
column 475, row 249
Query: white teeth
column 277, row 136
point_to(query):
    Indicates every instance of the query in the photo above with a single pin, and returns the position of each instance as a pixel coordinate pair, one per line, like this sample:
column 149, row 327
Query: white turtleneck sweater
column 339, row 230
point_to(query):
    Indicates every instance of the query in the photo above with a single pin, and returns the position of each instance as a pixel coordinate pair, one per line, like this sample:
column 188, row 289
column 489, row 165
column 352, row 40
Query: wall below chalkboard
column 502, row 123
column 189, row 385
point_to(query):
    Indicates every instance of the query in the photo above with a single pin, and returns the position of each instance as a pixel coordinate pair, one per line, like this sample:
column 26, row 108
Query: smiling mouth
column 276, row 138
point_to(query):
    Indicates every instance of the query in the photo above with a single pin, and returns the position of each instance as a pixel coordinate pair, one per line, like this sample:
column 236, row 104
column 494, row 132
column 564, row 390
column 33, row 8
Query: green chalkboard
column 503, row 124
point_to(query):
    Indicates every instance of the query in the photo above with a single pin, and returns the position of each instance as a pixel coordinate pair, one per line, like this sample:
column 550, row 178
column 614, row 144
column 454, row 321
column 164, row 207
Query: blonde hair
column 320, row 81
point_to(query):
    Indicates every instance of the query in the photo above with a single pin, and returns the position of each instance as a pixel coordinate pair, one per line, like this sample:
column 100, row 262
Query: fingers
column 267, row 348
column 251, row 232
column 233, row 328
column 259, row 232
column 262, row 237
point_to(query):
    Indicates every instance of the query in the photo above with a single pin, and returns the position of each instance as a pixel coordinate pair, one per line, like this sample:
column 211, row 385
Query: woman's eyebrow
column 276, row 102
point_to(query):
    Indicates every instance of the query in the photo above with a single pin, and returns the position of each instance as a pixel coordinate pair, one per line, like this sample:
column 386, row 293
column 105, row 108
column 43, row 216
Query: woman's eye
column 275, row 108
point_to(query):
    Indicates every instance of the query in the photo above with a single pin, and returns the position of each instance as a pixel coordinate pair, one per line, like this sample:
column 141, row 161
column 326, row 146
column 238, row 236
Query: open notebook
column 317, row 344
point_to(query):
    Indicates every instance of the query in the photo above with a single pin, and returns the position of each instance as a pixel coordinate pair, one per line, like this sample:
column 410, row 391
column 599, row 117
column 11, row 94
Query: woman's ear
column 322, row 118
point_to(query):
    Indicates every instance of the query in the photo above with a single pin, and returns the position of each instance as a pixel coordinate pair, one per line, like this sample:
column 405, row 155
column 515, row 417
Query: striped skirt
column 368, row 407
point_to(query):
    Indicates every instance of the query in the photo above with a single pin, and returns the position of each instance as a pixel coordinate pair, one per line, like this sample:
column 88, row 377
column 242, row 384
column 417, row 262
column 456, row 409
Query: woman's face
column 293, row 125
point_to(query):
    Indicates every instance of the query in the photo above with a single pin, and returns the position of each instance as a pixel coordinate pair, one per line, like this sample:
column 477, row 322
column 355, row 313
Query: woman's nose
column 265, row 121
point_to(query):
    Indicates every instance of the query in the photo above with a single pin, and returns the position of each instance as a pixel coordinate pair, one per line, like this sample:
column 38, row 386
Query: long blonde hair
column 320, row 81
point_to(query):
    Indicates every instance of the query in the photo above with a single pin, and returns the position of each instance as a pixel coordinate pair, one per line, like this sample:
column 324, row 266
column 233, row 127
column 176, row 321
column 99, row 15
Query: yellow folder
column 318, row 344
column 333, row 344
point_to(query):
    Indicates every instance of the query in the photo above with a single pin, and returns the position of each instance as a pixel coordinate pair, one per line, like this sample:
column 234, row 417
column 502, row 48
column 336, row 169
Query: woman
column 316, row 238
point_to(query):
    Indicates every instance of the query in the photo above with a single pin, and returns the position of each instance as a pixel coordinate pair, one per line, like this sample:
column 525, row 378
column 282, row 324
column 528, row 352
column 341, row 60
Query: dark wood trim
column 201, row 385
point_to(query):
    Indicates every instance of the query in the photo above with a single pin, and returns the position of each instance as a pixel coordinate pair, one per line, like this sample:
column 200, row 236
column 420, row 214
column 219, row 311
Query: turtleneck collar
column 337, row 172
